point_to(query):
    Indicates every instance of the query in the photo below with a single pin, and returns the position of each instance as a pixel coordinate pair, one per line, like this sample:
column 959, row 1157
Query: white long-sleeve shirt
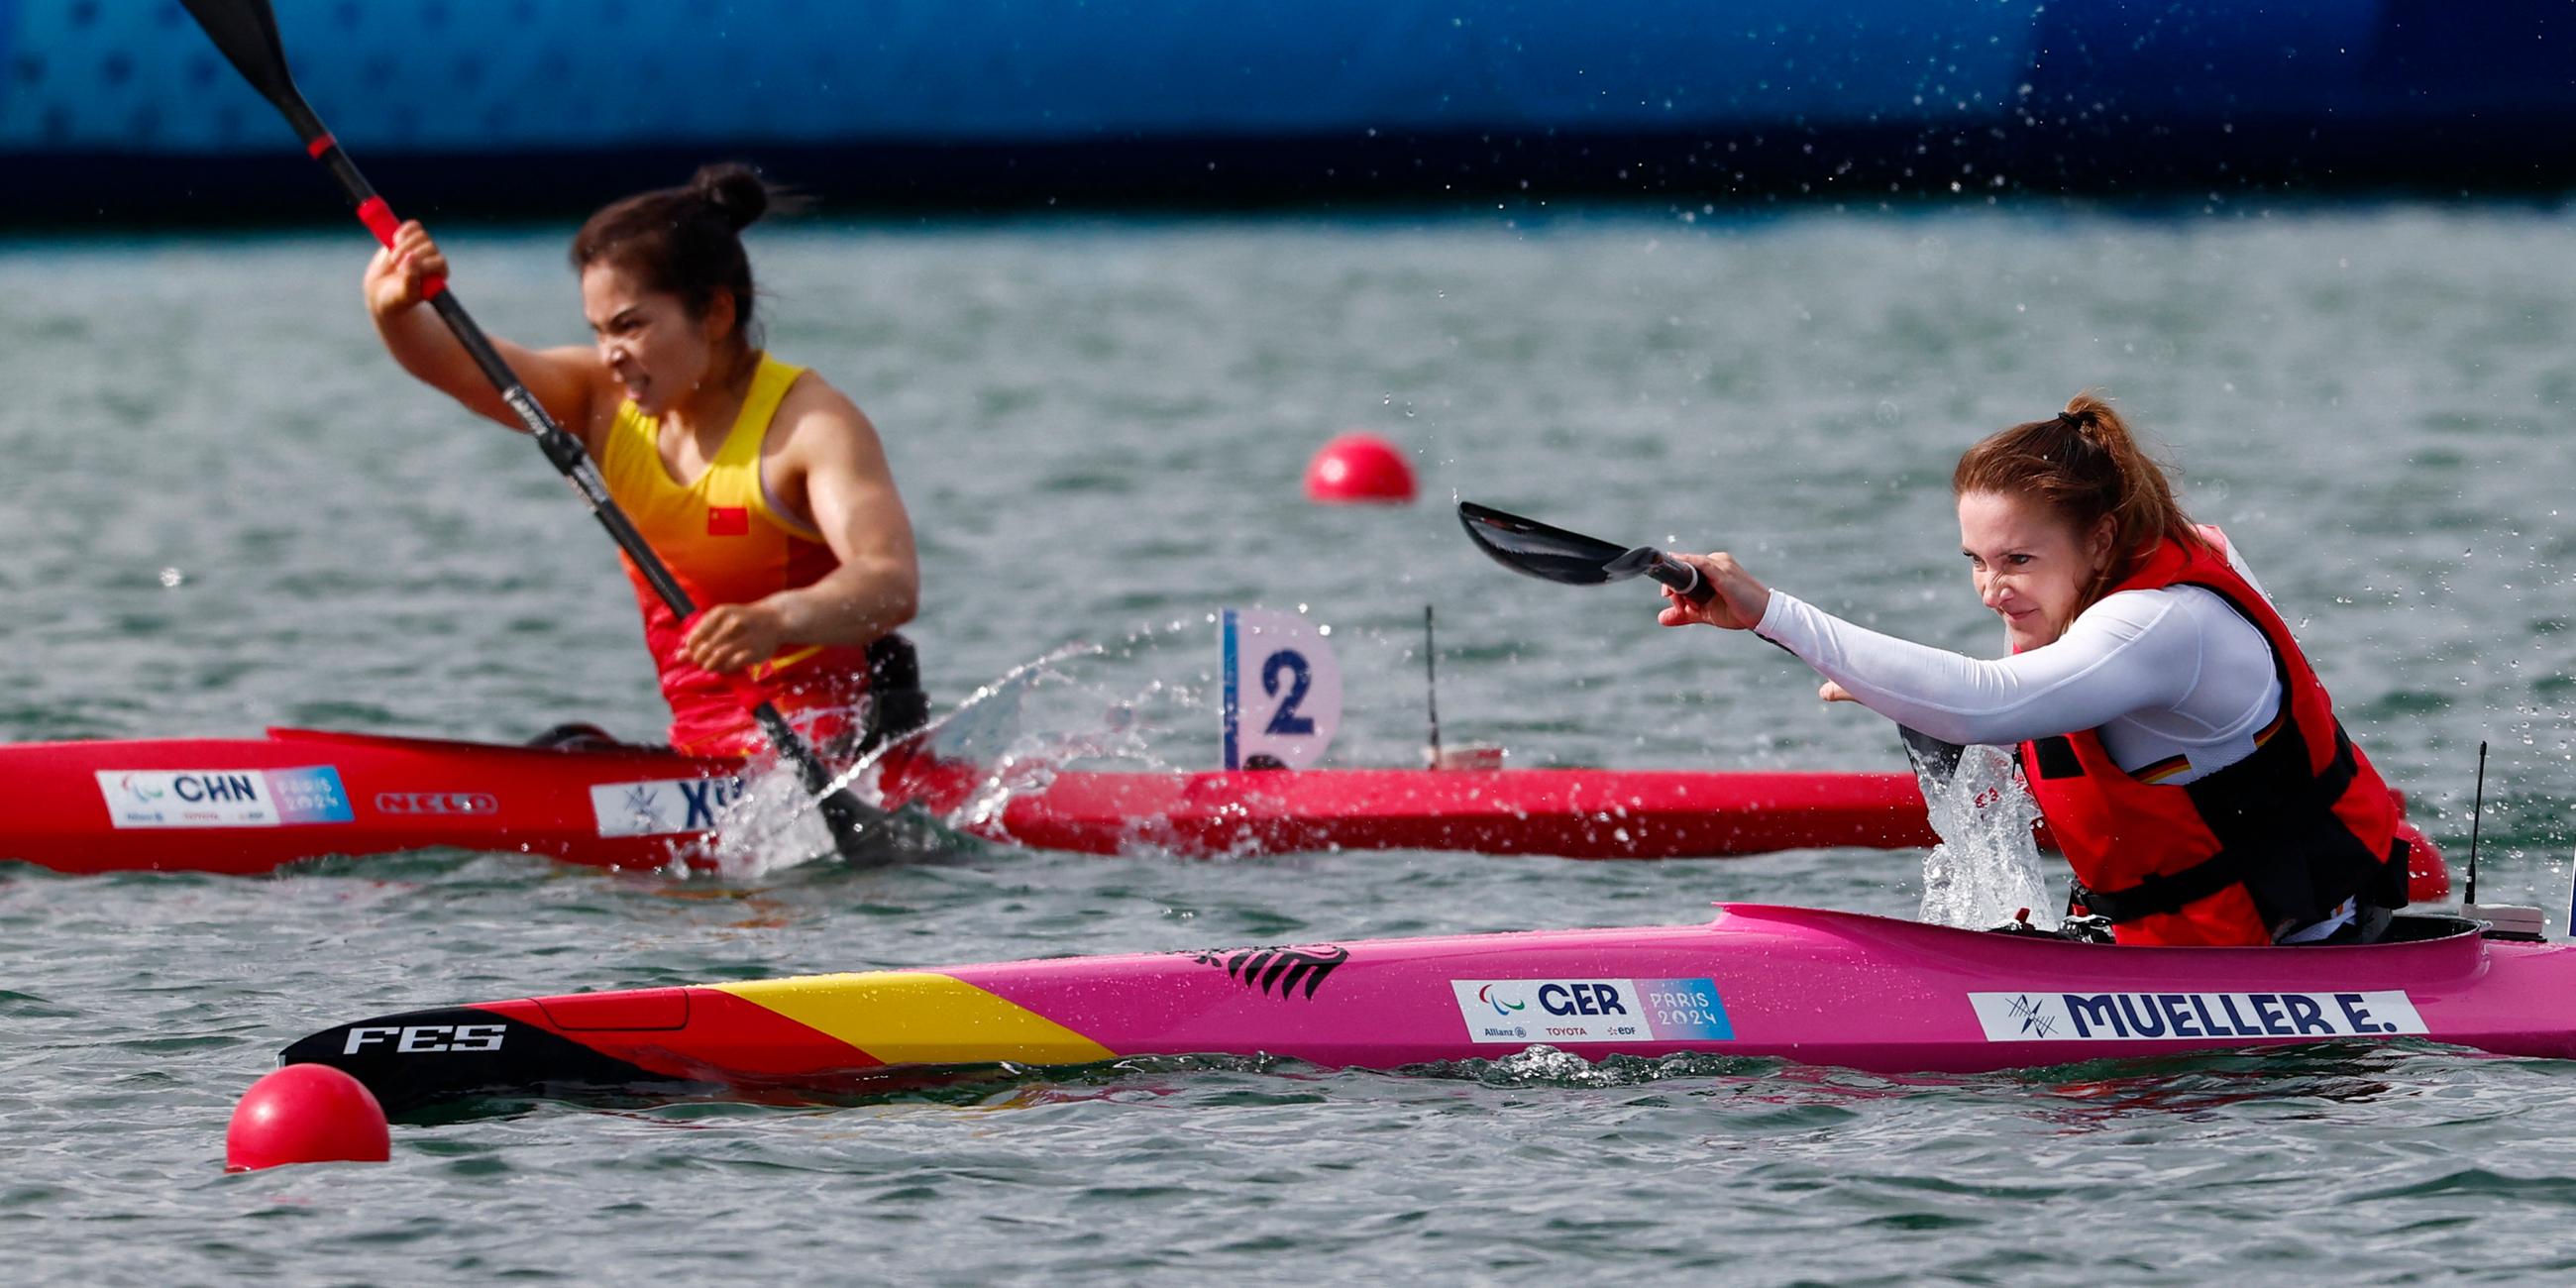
column 2159, row 673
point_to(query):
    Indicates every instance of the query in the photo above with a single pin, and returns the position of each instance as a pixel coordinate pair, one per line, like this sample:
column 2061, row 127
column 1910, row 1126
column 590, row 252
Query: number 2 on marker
column 1286, row 720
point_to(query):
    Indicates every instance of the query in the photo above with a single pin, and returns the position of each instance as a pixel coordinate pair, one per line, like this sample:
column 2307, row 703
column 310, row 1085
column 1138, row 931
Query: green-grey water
column 222, row 508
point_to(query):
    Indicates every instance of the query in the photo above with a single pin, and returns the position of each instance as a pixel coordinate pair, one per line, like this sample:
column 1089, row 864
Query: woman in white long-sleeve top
column 2183, row 751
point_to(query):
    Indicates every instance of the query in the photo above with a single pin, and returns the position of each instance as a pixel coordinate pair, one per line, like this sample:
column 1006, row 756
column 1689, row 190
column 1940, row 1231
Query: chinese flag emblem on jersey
column 728, row 521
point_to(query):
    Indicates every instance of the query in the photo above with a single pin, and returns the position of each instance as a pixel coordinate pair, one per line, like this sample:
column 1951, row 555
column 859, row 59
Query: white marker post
column 1283, row 689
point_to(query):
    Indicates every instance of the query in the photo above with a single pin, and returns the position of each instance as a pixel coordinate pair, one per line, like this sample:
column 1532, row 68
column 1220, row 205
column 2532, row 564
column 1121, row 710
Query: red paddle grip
column 379, row 219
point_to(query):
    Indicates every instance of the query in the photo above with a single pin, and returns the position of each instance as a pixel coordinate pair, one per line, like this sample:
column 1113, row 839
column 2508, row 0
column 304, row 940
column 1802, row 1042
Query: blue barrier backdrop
column 108, row 108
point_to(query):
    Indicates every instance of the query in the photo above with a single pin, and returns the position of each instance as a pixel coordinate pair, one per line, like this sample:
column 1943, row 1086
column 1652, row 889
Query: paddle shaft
column 1431, row 681
column 246, row 32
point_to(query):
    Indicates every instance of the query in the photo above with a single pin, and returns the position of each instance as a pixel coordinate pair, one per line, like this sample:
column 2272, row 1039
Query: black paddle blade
column 1934, row 760
column 856, row 836
column 246, row 32
column 1534, row 549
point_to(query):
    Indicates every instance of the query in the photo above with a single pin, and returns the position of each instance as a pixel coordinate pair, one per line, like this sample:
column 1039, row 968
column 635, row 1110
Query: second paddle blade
column 1535, row 549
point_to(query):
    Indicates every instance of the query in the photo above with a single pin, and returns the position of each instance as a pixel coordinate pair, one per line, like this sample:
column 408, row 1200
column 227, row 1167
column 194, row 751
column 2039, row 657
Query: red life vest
column 2240, row 855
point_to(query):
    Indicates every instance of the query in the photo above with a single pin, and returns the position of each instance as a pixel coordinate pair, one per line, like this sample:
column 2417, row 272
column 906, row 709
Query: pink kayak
column 1816, row 987
column 253, row 804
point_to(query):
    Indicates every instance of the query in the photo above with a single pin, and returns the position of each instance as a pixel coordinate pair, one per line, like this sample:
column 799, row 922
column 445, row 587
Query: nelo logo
column 437, row 803
column 425, row 1039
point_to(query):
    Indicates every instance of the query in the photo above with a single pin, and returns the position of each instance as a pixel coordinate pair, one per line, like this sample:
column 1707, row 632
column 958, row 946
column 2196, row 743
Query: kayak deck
column 1815, row 987
column 248, row 805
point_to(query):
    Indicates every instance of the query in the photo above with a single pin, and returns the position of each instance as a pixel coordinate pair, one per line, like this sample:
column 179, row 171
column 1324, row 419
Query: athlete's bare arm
column 830, row 472
column 566, row 382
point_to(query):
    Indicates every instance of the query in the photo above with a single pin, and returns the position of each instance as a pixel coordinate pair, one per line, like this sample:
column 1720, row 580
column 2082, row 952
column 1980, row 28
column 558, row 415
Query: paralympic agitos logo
column 1288, row 968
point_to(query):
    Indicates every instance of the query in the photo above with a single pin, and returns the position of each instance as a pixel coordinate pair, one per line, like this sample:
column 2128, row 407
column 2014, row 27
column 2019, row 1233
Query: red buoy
column 306, row 1113
column 1359, row 467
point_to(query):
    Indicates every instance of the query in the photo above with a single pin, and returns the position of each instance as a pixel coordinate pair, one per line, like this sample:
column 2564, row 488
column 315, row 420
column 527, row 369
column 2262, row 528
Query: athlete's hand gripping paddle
column 1534, row 549
column 246, row 32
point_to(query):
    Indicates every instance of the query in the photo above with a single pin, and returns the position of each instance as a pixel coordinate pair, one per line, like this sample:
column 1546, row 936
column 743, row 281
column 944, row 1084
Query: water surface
column 224, row 509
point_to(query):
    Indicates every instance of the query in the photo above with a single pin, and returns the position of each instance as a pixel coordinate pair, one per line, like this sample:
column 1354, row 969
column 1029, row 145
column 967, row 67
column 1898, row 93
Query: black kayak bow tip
column 422, row 1059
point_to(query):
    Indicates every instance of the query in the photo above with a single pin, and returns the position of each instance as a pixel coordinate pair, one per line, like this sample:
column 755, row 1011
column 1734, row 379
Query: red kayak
column 243, row 805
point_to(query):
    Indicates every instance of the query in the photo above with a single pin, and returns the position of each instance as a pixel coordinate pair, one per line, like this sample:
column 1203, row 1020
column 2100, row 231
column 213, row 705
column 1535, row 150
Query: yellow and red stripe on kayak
column 919, row 1017
column 808, row 1025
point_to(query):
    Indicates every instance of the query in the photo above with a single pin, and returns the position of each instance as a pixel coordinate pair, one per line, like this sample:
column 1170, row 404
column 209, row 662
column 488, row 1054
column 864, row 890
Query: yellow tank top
column 723, row 541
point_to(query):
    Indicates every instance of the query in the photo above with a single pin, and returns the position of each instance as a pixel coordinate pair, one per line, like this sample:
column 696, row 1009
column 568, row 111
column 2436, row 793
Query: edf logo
column 1581, row 999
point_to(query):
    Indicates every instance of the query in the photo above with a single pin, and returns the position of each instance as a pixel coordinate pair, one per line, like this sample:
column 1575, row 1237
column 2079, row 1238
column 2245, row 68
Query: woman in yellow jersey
column 764, row 488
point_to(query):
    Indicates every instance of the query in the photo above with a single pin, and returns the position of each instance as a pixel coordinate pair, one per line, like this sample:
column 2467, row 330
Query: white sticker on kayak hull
column 2192, row 1017
column 1520, row 1012
column 662, row 805
column 223, row 797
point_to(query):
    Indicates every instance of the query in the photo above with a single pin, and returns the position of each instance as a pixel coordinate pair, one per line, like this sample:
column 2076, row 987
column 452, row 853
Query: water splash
column 1986, row 867
column 1075, row 704
column 1022, row 754
column 770, row 823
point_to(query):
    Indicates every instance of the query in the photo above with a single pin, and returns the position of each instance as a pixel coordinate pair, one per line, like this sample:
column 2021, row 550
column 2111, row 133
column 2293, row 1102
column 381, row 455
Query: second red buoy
column 1359, row 467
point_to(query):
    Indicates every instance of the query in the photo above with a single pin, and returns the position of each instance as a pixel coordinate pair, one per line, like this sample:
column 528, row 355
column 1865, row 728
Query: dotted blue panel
column 518, row 75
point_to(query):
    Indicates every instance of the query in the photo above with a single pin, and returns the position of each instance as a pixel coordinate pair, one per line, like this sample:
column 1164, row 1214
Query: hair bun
column 735, row 190
column 2086, row 408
